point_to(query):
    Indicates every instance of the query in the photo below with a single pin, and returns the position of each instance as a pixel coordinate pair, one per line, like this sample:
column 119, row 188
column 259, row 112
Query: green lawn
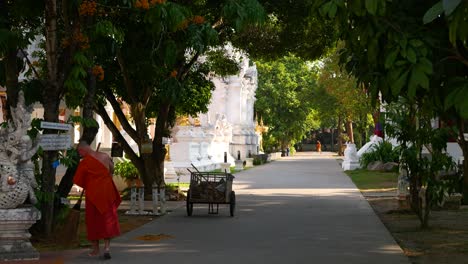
column 373, row 180
column 182, row 185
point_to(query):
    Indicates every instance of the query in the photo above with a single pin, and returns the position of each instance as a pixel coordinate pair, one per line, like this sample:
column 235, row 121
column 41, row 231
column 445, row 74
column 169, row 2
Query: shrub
column 126, row 170
column 383, row 152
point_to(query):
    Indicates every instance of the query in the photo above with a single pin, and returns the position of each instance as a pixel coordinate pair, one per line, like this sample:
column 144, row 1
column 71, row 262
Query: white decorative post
column 141, row 200
column 133, row 200
column 155, row 199
column 162, row 199
column 403, row 188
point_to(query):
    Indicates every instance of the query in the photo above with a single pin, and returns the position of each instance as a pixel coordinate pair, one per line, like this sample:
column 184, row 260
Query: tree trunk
column 349, row 130
column 48, row 172
column 51, row 99
column 89, row 134
column 339, row 137
column 11, row 72
column 159, row 150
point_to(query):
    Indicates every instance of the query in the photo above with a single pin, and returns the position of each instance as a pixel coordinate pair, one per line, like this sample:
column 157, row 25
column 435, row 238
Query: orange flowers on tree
column 98, row 71
column 145, row 4
column 198, row 20
column 173, row 73
column 87, row 8
column 82, row 41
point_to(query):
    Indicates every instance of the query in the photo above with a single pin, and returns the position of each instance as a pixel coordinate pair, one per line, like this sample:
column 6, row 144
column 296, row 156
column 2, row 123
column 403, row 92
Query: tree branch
column 186, row 68
column 128, row 83
column 32, row 66
column 99, row 108
column 120, row 115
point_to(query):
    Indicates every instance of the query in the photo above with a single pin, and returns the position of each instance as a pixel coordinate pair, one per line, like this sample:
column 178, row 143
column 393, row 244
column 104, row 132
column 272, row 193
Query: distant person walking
column 318, row 146
column 94, row 175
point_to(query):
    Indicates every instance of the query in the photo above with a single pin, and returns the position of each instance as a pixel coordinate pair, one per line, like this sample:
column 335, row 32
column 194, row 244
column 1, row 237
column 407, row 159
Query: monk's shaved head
column 83, row 148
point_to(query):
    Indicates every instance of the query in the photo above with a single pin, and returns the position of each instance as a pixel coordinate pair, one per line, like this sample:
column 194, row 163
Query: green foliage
column 339, row 95
column 455, row 12
column 391, row 51
column 126, row 170
column 69, row 158
column 243, row 13
column 383, row 152
column 412, row 127
column 85, row 122
column 284, row 100
column 290, row 28
column 220, row 64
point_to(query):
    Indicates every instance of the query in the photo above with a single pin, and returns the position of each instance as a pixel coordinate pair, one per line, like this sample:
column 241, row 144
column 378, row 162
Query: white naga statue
column 17, row 180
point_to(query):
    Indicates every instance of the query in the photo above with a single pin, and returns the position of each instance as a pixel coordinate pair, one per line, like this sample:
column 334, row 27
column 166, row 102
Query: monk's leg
column 106, row 244
column 107, row 248
column 95, row 247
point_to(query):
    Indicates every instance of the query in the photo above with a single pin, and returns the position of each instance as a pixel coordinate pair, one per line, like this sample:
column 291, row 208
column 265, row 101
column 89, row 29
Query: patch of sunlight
column 379, row 190
column 298, row 192
column 160, row 250
column 389, row 249
column 157, row 237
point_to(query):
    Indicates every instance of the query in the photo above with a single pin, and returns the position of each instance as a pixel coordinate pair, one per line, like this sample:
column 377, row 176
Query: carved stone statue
column 17, row 180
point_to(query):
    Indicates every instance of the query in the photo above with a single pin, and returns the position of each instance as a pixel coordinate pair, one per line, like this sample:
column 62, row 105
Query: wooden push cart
column 212, row 188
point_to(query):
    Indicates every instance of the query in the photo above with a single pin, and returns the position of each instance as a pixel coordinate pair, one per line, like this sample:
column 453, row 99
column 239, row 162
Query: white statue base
column 249, row 162
column 169, row 171
column 14, row 234
column 239, row 165
column 226, row 167
column 351, row 160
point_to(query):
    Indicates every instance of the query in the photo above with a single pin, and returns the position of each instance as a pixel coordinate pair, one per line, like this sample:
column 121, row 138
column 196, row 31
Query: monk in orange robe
column 94, row 175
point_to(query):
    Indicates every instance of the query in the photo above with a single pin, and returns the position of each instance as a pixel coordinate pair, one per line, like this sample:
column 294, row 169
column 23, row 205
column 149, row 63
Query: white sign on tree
column 58, row 126
column 55, row 142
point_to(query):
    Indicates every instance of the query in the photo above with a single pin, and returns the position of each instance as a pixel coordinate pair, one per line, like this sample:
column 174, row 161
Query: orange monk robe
column 102, row 198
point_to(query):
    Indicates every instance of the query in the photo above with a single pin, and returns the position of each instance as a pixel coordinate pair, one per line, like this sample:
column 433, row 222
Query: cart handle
column 195, row 167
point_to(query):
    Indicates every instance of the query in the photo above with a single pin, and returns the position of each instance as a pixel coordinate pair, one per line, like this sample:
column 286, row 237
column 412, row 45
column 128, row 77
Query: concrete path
column 300, row 209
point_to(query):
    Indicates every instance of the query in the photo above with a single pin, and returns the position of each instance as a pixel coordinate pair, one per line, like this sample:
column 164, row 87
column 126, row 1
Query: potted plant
column 128, row 172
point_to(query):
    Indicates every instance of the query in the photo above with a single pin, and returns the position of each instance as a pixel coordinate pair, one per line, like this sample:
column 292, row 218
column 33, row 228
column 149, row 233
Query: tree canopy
column 292, row 27
column 341, row 100
column 286, row 88
column 161, row 66
column 407, row 50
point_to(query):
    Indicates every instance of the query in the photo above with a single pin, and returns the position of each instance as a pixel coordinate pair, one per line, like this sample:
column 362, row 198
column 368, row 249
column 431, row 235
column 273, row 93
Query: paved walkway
column 300, row 209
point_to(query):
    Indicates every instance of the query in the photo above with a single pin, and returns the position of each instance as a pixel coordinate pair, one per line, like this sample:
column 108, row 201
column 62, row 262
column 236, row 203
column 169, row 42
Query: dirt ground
column 445, row 241
column 127, row 223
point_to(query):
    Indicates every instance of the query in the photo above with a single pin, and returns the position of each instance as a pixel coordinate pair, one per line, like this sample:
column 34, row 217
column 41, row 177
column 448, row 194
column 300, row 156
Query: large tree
column 286, row 88
column 342, row 97
column 161, row 65
column 59, row 70
column 18, row 28
column 392, row 53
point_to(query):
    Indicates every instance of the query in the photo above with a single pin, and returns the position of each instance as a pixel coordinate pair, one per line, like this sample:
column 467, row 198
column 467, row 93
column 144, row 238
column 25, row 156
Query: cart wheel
column 189, row 205
column 232, row 200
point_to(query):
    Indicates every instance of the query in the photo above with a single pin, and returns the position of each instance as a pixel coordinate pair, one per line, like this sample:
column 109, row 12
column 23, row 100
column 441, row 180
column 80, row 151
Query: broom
column 69, row 231
column 69, row 234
